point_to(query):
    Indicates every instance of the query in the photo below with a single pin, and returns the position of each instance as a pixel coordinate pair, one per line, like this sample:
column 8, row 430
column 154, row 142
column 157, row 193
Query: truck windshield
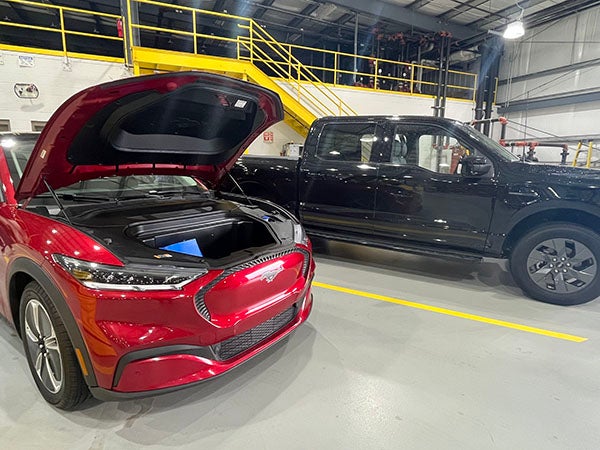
column 501, row 151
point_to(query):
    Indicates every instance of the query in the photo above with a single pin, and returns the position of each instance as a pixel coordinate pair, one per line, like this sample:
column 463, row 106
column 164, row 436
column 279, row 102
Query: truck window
column 352, row 142
column 427, row 146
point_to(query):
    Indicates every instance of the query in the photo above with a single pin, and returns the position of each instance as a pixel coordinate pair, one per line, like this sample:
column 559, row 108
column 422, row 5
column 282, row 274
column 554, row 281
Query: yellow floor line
column 450, row 312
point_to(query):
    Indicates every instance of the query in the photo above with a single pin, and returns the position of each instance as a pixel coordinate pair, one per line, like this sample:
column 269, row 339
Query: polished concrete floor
column 363, row 373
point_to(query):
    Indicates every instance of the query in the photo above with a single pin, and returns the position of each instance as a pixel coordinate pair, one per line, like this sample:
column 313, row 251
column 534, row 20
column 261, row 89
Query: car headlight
column 300, row 236
column 128, row 278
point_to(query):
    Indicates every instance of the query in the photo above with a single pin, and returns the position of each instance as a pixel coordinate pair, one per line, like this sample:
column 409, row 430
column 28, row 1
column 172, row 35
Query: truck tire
column 558, row 263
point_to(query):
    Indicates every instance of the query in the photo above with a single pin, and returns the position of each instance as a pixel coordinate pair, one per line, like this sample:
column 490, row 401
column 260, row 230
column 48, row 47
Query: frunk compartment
column 215, row 238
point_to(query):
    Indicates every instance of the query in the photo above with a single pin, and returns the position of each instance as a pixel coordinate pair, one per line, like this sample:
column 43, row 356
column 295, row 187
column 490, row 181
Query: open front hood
column 185, row 123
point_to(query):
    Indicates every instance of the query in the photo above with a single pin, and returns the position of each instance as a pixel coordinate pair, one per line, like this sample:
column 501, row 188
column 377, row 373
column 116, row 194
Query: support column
column 491, row 52
column 355, row 46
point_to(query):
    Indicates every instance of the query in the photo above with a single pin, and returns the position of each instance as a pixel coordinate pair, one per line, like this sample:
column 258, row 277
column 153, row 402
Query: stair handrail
column 285, row 54
column 273, row 65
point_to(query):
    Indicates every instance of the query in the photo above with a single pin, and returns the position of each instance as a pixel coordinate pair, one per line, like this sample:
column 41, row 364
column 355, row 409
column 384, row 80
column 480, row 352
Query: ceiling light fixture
column 515, row 30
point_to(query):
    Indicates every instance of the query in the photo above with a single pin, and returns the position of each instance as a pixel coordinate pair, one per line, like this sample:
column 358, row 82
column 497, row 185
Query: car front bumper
column 166, row 369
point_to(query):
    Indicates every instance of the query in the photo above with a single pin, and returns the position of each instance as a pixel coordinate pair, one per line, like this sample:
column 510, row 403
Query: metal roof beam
column 305, row 12
column 465, row 7
column 550, row 102
column 405, row 16
column 261, row 11
column 480, row 23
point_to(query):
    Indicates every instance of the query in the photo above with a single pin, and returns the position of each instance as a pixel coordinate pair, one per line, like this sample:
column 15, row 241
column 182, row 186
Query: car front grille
column 199, row 297
column 238, row 344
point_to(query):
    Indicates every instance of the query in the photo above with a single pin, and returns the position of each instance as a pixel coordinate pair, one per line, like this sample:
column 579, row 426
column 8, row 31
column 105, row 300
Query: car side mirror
column 474, row 166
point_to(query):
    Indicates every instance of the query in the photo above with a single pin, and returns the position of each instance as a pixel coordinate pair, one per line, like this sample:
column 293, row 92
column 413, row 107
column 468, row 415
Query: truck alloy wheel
column 558, row 263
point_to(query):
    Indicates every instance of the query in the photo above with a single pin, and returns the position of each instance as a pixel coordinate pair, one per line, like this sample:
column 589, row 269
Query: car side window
column 353, row 142
column 427, row 146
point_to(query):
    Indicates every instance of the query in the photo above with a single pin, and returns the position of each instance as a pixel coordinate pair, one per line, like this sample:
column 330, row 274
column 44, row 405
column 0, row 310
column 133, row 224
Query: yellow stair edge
column 147, row 60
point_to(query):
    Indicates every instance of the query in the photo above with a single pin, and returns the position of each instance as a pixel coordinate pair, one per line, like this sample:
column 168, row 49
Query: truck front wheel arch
column 562, row 215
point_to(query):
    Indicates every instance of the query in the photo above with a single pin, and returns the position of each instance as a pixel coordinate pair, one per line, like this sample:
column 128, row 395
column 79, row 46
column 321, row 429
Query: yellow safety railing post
column 588, row 162
column 63, row 36
column 335, row 69
column 412, row 78
column 129, row 39
column 376, row 67
column 195, row 32
column 289, row 62
column 251, row 41
column 298, row 85
column 577, row 151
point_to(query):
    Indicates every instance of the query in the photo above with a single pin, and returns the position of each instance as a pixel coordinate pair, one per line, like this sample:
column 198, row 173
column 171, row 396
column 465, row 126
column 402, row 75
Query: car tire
column 49, row 351
column 558, row 263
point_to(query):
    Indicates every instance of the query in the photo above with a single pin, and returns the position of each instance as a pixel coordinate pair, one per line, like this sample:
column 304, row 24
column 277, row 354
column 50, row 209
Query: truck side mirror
column 474, row 166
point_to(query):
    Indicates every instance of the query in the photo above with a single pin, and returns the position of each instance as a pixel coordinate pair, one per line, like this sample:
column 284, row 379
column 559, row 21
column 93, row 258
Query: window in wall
column 347, row 142
column 37, row 125
column 4, row 125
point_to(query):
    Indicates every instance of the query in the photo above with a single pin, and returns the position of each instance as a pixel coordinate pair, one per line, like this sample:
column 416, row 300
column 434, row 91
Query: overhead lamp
column 514, row 30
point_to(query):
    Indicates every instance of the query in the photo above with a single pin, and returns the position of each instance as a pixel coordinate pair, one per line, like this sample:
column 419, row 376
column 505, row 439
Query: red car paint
column 48, row 159
column 110, row 325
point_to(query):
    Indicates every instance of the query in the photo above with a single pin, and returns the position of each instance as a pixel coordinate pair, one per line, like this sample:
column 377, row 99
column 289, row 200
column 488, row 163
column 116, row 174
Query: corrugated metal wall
column 550, row 80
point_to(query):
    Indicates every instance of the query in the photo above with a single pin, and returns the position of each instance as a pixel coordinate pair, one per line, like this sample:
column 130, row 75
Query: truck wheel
column 558, row 263
column 49, row 352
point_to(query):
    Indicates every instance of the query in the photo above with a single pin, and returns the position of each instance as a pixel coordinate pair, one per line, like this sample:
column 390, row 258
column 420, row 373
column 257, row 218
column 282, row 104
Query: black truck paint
column 407, row 192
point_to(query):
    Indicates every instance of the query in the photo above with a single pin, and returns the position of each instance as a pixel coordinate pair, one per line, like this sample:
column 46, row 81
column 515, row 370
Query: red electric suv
column 123, row 271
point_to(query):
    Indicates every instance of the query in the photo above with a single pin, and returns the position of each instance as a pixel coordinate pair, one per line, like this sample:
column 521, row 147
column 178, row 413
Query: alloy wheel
column 562, row 265
column 43, row 346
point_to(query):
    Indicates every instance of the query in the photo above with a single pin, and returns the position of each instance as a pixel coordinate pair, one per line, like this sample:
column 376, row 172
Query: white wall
column 282, row 134
column 366, row 102
column 55, row 80
column 569, row 41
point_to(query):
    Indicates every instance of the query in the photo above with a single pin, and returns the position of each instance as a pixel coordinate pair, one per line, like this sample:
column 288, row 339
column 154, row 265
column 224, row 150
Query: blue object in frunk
column 189, row 247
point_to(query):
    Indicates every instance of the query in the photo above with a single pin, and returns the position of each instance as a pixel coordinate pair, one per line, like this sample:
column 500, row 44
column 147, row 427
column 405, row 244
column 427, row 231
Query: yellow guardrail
column 62, row 14
column 289, row 63
column 255, row 45
column 401, row 76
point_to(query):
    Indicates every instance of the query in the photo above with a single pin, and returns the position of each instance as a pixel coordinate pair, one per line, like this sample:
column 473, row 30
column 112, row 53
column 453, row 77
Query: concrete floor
column 361, row 374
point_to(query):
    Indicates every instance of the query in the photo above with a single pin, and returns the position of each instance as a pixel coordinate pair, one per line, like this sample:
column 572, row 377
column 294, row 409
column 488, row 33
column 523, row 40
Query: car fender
column 39, row 274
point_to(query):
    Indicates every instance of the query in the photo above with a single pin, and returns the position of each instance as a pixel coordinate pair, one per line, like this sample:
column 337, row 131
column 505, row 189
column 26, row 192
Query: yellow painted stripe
column 450, row 312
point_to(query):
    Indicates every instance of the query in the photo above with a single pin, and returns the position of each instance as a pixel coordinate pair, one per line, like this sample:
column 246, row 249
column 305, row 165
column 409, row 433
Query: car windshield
column 18, row 149
column 499, row 149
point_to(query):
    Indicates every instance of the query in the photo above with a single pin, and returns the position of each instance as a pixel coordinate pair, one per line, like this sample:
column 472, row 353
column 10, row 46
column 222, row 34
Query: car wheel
column 49, row 352
column 558, row 263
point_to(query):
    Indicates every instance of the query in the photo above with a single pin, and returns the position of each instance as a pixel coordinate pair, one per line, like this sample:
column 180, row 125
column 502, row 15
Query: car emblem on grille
column 270, row 275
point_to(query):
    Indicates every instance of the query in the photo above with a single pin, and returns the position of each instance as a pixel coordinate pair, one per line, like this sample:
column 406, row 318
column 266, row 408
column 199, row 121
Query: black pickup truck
column 438, row 187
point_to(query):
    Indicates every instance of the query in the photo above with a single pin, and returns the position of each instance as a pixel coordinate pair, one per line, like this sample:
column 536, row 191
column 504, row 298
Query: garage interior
column 400, row 350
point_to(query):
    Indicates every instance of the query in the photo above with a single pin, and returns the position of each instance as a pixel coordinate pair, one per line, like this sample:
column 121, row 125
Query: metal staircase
column 259, row 59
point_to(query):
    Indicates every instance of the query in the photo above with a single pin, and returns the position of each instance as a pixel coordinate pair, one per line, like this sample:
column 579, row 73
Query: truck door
column 338, row 176
column 421, row 196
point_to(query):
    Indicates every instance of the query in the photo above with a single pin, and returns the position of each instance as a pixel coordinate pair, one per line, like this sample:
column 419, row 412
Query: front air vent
column 238, row 344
